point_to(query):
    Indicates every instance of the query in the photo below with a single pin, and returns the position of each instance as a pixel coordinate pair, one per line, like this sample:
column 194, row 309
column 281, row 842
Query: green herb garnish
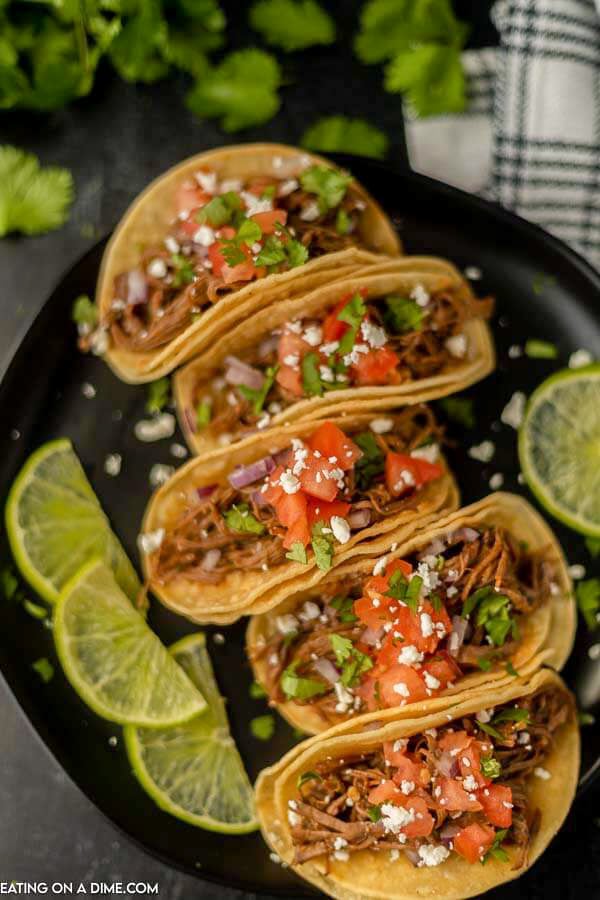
column 263, row 727
column 329, row 185
column 459, row 410
column 593, row 546
column 85, row 313
column 44, row 669
column 512, row 714
column 184, row 270
column 292, row 24
column 295, row 687
column 585, row 718
column 536, row 349
column 311, row 379
column 33, row 200
column 491, row 767
column 257, row 396
column 588, row 600
column 372, row 462
column 511, row 670
column 297, row 553
column 257, row 691
column 496, row 851
column 158, row 395
column 402, row 315
column 344, row 607
column 374, row 813
column 203, row 414
column 339, row 134
column 239, row 518
column 219, row 210
column 342, row 647
column 307, row 776
column 322, row 545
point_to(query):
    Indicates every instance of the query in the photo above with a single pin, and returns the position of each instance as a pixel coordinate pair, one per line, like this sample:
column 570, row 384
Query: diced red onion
column 268, row 345
column 466, row 534
column 242, row 476
column 360, row 518
column 203, row 492
column 283, row 457
column 371, row 636
column 449, row 832
column 457, row 635
column 190, row 419
column 238, row 372
column 211, row 558
column 327, row 669
column 447, row 765
column 258, row 498
column 413, row 856
column 436, row 547
column 137, row 287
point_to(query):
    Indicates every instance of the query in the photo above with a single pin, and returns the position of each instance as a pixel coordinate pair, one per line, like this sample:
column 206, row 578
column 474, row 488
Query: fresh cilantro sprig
column 588, row 601
column 295, row 687
column 329, row 185
column 459, row 410
column 297, row 553
column 292, row 24
column 402, row 315
column 408, row 592
column 352, row 661
column 239, row 518
column 493, row 612
column 257, row 396
column 496, row 850
column 322, row 545
column 158, row 395
column 85, row 313
column 372, row 462
column 344, row 607
column 339, row 134
column 33, row 199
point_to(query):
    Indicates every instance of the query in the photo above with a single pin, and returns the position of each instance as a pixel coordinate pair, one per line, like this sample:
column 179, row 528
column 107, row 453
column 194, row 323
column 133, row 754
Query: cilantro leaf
column 159, row 393
column 297, row 253
column 536, row 349
column 136, row 52
column 241, row 91
column 329, row 185
column 311, row 379
column 32, row 199
column 272, row 252
column 203, row 414
column 239, row 518
column 85, row 312
column 510, row 669
column 357, row 664
column 297, row 553
column 322, row 545
column 344, row 607
column 44, row 669
column 496, row 851
column 473, row 599
column 371, row 463
column 593, row 546
column 374, row 813
column 402, row 315
column 491, row 767
column 339, row 134
column 297, row 688
column 459, row 409
column 494, row 614
column 263, row 727
column 257, row 396
column 411, row 597
column 292, row 24
column 512, row 714
column 257, row 691
column 431, row 77
column 588, row 601
column 184, row 270
column 352, row 314
column 219, row 210
column 489, row 729
column 342, row 647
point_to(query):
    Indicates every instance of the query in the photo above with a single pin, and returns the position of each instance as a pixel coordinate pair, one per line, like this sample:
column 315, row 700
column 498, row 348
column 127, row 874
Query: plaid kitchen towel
column 530, row 137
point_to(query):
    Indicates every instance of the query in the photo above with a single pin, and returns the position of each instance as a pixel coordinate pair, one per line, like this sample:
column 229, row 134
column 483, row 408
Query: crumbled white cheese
column 379, row 567
column 409, row 656
column 470, row 783
column 394, row 855
column 515, row 351
column 381, row 426
column 420, row 295
column 331, row 347
column 289, row 482
column 341, row 855
column 431, row 855
column 457, row 345
column 157, row 268
column 293, row 818
column 580, row 358
column 287, row 187
column 394, row 818
column 100, row 341
column 513, row 412
column 482, row 452
column 156, row 429
column 576, row 572
column 544, row 774
column 326, row 374
column 313, row 335
column 159, row 473
column 340, row 528
column 206, row 180
column 344, row 697
column 292, row 359
column 205, row 236
column 151, row 541
column 231, row 185
column 426, row 625
column 353, row 358
column 309, row 611
column 407, row 787
column 172, row 244
column 401, row 688
column 430, row 453
column 374, row 335
column 88, row 390
column 286, row 624
column 112, row 464
column 178, row 451
column 496, row 481
column 431, row 681
column 310, row 211
column 256, row 204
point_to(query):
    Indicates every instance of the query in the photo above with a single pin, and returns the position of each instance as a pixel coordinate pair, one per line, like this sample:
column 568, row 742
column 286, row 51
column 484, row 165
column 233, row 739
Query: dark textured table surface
column 114, row 142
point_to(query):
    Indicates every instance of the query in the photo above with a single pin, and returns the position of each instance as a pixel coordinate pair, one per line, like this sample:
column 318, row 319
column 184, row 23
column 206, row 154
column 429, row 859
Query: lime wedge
column 114, row 660
column 55, row 523
column 194, row 771
column 559, row 447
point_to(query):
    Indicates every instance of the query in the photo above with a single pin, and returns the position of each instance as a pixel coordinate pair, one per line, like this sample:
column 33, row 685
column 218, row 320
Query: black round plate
column 543, row 290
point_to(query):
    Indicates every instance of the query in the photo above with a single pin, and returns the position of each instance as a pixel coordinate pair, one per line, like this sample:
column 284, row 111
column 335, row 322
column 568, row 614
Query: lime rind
column 112, row 658
column 55, row 523
column 559, row 447
column 194, row 772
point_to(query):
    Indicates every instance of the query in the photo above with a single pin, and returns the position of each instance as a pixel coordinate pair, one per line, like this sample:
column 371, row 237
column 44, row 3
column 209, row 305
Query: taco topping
column 308, row 499
column 225, row 234
column 412, row 628
column 461, row 789
column 359, row 342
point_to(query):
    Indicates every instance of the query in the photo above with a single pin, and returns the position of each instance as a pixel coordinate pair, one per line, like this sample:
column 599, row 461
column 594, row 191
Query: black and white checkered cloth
column 530, row 137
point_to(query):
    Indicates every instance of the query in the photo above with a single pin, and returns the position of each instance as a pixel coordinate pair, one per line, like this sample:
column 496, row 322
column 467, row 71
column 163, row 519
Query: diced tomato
column 384, row 793
column 442, row 667
column 274, row 490
column 423, row 821
column 412, row 686
column 394, row 757
column 331, row 442
column 290, row 507
column 453, row 796
column 426, row 471
column 290, row 344
column 454, row 740
column 407, row 770
column 376, row 367
column 493, row 799
column 334, row 328
column 368, row 691
column 244, row 271
column 376, row 585
column 316, row 478
column 398, row 565
column 290, row 380
column 373, row 616
column 190, row 196
column 267, row 220
column 298, row 531
column 322, row 510
column 469, row 763
column 404, row 473
column 259, row 184
column 474, row 841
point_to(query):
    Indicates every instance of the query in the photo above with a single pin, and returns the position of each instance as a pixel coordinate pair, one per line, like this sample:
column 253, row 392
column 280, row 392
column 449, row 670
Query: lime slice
column 55, row 523
column 114, row 660
column 559, row 447
column 194, row 772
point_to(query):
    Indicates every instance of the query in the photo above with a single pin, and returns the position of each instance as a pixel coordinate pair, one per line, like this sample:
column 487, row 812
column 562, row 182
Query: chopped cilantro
column 307, row 776
column 356, row 665
column 249, row 232
column 297, row 553
column 494, row 614
column 311, row 379
column 85, row 312
column 489, row 729
column 34, row 610
column 352, row 314
column 344, row 607
column 473, row 599
column 512, row 714
column 241, row 91
column 585, row 718
column 263, row 727
column 372, row 462
column 510, row 669
column 33, row 200
column 239, row 518
column 272, row 252
column 322, row 545
column 9, row 583
column 220, row 210
column 402, row 315
column 257, row 691
column 342, row 647
column 541, row 281
column 184, row 270
column 459, row 410
column 297, row 253
column 536, row 349
column 297, row 688
column 342, row 222
column 413, row 590
column 329, row 185
column 496, row 851
column 484, row 663
column 491, row 767
column 593, row 546
column 158, row 395
column 436, row 602
column 292, row 24
column 275, row 250
column 44, row 669
column 203, row 414
column 374, row 813
column 588, row 601
column 398, row 585
column 258, row 396
column 338, row 134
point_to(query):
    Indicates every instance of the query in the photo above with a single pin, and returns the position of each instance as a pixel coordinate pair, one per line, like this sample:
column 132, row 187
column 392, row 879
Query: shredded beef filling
column 333, row 799
column 171, row 306
column 202, row 526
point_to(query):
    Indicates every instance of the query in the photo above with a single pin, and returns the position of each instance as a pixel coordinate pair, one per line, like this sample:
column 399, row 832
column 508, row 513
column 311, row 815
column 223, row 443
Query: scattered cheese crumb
column 482, row 452
column 580, row 358
column 156, row 429
column 159, row 473
column 576, row 572
column 457, row 345
column 88, row 390
column 112, row 464
column 340, row 528
column 151, row 541
column 496, row 481
column 513, row 412
column 544, row 774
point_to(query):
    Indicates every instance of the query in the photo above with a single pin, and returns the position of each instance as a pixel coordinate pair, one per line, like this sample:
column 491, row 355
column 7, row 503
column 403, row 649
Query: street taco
column 402, row 332
column 412, row 808
column 220, row 236
column 235, row 531
column 472, row 597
